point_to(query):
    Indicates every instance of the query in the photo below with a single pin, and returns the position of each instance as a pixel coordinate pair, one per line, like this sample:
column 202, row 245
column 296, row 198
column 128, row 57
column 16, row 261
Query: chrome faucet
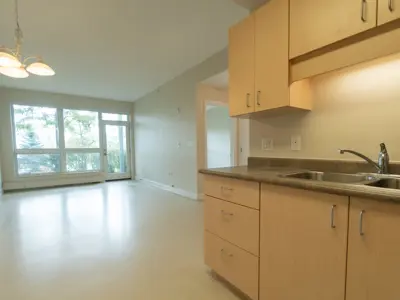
column 383, row 159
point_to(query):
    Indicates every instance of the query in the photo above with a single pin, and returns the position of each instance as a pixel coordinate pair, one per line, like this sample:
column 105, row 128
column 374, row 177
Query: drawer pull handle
column 224, row 252
column 361, row 222
column 333, row 216
column 363, row 10
column 223, row 188
column 225, row 213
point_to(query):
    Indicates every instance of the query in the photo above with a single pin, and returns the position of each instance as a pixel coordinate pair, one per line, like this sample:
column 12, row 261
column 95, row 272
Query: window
column 38, row 163
column 38, row 132
column 83, row 162
column 36, row 140
column 35, row 127
column 81, row 129
column 114, row 117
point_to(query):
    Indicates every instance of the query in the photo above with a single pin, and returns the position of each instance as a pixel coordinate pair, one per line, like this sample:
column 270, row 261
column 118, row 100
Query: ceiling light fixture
column 12, row 63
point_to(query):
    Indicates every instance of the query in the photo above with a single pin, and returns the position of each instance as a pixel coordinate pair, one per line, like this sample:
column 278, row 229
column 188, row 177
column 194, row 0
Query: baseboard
column 52, row 181
column 171, row 189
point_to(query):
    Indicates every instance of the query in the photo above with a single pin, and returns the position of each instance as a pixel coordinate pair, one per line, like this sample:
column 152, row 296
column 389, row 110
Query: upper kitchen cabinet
column 318, row 23
column 373, row 263
column 388, row 10
column 241, row 67
column 271, row 55
column 259, row 63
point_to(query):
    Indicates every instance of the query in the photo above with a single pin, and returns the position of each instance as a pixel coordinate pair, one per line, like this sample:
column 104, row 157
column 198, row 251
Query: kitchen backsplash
column 355, row 108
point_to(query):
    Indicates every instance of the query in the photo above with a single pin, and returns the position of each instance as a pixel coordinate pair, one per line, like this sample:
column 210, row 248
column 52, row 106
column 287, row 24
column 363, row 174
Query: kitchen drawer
column 235, row 223
column 237, row 266
column 242, row 192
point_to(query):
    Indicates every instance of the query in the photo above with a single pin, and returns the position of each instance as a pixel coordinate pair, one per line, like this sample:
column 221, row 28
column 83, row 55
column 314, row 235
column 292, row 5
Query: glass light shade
column 41, row 69
column 19, row 72
column 8, row 60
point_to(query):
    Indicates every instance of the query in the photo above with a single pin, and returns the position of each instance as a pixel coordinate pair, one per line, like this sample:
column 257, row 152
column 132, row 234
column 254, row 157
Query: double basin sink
column 376, row 180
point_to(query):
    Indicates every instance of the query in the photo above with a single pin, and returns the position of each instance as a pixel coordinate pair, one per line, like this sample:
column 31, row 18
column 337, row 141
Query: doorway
column 220, row 136
column 116, row 150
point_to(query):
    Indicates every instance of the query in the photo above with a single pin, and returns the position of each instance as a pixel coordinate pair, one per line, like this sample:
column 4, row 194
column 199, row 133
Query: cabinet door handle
column 333, row 216
column 360, row 225
column 258, row 98
column 363, row 10
column 248, row 100
column 391, row 7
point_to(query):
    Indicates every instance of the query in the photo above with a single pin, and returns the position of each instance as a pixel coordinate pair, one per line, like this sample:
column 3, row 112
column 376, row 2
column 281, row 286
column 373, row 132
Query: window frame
column 61, row 150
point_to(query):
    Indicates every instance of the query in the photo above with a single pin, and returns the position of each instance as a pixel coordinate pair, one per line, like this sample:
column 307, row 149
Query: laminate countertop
column 273, row 175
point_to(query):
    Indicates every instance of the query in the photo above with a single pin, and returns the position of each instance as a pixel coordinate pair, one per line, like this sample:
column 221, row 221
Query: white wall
column 24, row 97
column 2, row 98
column 165, row 128
column 356, row 108
column 244, row 141
column 219, row 134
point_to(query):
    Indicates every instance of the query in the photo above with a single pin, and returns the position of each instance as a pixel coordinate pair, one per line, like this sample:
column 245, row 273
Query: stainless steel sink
column 334, row 177
column 387, row 183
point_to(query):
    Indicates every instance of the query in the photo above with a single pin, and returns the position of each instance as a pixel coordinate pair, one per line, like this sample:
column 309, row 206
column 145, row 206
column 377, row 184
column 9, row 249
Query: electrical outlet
column 267, row 144
column 296, row 143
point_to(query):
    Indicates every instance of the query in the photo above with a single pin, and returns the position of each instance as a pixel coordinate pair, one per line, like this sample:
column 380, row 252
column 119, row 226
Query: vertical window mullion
column 103, row 167
column 61, row 139
column 14, row 136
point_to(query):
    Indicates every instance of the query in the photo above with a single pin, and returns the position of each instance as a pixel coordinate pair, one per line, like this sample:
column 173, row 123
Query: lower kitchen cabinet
column 237, row 266
column 303, row 244
column 281, row 243
column 373, row 268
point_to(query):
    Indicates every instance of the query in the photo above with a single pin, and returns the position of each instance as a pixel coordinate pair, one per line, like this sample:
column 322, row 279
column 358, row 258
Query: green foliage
column 83, row 162
column 28, row 114
column 30, row 140
column 80, row 126
column 36, row 163
column 114, row 161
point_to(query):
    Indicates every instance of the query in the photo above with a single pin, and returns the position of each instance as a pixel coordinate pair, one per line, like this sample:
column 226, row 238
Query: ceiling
column 251, row 4
column 117, row 49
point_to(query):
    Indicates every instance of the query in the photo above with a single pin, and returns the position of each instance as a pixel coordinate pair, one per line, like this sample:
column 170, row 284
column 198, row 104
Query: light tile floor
column 114, row 241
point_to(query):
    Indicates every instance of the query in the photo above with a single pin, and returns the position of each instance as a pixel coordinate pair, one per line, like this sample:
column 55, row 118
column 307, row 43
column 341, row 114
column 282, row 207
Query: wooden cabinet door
column 271, row 55
column 388, row 10
column 303, row 238
column 373, row 268
column 318, row 23
column 241, row 67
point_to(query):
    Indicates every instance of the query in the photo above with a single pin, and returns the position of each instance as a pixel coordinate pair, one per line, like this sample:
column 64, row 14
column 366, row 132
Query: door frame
column 234, row 133
column 115, row 176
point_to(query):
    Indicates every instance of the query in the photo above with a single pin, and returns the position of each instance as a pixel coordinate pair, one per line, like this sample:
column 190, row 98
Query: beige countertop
column 271, row 175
